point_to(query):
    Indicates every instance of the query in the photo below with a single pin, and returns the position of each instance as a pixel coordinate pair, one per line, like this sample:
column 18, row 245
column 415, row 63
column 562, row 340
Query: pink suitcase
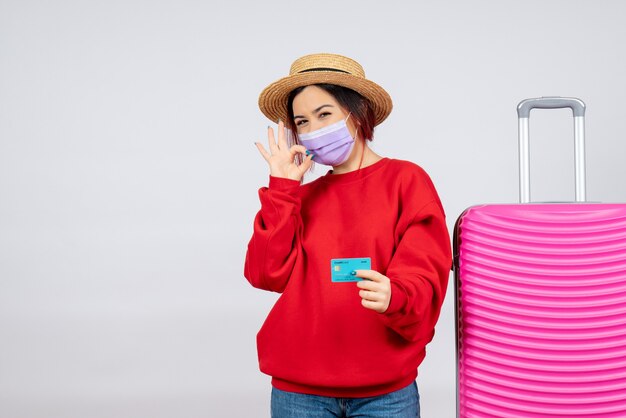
column 541, row 300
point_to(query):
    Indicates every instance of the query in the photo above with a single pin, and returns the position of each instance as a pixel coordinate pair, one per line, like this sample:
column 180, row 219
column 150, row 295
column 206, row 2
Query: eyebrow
column 315, row 111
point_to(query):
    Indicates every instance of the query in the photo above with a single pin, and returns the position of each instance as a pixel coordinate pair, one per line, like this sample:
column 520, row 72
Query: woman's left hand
column 375, row 291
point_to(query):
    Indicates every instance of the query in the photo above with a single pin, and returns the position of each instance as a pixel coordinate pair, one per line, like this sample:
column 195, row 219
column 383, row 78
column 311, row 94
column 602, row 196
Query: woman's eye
column 324, row 114
column 300, row 122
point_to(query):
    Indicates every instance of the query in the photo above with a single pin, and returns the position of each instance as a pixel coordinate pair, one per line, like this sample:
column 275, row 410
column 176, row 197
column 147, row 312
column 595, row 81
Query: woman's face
column 314, row 108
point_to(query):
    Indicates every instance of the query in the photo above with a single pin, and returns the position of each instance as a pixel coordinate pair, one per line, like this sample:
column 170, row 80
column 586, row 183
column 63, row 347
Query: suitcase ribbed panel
column 541, row 305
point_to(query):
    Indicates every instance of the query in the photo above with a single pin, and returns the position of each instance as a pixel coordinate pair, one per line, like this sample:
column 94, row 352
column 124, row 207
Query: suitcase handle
column 525, row 106
column 523, row 114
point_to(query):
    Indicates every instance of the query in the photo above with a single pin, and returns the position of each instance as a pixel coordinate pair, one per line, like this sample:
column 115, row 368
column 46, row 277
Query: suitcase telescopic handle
column 523, row 113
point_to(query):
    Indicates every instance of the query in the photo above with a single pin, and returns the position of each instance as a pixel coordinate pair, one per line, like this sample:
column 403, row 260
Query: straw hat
column 323, row 68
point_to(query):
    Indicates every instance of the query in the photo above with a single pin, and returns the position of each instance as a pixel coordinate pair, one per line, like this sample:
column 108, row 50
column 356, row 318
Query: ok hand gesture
column 282, row 158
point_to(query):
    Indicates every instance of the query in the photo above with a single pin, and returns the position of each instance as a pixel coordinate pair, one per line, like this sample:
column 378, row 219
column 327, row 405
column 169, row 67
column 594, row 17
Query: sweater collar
column 355, row 175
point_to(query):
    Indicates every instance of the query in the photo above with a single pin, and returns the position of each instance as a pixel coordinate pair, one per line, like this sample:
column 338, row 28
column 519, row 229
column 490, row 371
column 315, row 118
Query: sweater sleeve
column 419, row 272
column 272, row 250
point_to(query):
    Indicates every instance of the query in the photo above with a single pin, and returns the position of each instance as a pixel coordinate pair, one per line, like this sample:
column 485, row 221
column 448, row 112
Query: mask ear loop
column 356, row 132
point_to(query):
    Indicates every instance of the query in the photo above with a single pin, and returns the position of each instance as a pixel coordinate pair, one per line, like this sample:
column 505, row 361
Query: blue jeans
column 403, row 403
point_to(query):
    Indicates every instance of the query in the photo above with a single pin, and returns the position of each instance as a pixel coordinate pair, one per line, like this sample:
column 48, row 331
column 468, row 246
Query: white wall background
column 128, row 174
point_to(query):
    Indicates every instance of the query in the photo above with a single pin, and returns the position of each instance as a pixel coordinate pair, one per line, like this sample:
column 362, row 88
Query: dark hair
column 359, row 107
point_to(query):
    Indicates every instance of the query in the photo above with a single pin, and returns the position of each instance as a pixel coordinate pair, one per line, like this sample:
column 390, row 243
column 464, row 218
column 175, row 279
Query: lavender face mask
column 331, row 145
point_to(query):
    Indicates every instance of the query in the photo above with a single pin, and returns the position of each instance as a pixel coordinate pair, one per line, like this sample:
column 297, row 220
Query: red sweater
column 318, row 338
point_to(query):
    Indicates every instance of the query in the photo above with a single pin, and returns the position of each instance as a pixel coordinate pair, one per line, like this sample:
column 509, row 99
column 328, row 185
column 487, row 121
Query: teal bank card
column 342, row 269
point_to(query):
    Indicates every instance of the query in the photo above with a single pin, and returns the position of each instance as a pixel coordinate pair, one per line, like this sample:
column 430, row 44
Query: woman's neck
column 361, row 157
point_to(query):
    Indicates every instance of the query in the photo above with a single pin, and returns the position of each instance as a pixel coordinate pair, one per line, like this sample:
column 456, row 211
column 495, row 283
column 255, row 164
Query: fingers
column 371, row 275
column 307, row 161
column 262, row 150
column 375, row 306
column 280, row 143
column 282, row 135
column 375, row 291
column 306, row 164
column 295, row 149
column 370, row 285
column 272, row 141
column 371, row 296
column 281, row 157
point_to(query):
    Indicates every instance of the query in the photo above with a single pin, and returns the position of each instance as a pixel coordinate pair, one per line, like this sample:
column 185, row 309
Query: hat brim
column 273, row 99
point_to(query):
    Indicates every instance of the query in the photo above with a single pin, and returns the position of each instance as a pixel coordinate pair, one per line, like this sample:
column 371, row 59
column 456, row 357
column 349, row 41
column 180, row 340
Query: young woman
column 340, row 343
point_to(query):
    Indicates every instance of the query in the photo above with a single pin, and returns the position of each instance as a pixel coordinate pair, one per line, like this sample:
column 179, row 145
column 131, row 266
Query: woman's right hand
column 282, row 158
